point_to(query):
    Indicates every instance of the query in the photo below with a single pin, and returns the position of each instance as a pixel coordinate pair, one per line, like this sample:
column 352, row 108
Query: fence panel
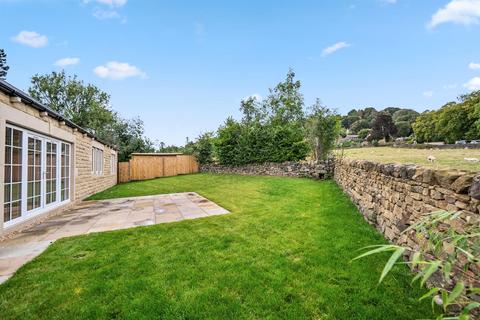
column 144, row 166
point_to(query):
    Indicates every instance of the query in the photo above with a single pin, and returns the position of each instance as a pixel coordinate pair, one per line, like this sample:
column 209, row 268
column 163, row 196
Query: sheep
column 431, row 158
column 471, row 159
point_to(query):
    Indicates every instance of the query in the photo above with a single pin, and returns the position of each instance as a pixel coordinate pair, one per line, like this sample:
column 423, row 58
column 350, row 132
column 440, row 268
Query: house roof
column 13, row 91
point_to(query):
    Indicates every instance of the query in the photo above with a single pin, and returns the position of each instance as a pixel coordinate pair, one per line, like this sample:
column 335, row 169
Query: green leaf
column 429, row 271
column 456, row 292
column 470, row 307
column 393, row 258
column 430, row 293
column 447, row 268
column 383, row 248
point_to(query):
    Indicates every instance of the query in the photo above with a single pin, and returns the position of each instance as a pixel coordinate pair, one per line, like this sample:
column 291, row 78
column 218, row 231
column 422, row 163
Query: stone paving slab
column 99, row 216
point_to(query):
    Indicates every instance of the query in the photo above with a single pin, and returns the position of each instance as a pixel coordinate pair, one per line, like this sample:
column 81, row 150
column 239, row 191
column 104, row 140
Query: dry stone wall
column 393, row 196
column 307, row 169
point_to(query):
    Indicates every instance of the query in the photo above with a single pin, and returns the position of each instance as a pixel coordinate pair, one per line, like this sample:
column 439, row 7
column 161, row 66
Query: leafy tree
column 424, row 127
column 203, row 148
column 383, row 127
column 88, row 106
column 3, row 65
column 391, row 110
column 363, row 134
column 85, row 105
column 227, row 143
column 323, row 128
column 408, row 115
column 359, row 125
column 404, row 129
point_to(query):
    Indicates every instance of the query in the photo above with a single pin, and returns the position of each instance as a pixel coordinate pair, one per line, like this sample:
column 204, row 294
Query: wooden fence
column 144, row 166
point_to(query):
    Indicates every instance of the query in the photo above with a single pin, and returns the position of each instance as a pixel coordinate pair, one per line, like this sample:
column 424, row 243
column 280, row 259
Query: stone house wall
column 13, row 111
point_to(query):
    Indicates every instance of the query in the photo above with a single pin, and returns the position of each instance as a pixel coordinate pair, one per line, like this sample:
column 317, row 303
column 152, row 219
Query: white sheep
column 431, row 158
column 471, row 159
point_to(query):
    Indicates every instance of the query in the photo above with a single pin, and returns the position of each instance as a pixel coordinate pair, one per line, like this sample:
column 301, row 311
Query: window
column 12, row 207
column 97, row 161
column 113, row 163
column 65, row 172
column 33, row 174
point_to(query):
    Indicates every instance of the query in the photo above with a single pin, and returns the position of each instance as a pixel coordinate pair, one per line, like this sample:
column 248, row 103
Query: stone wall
column 393, row 196
column 307, row 169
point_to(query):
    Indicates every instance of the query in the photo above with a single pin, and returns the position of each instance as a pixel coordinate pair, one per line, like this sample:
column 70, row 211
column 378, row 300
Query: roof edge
column 13, row 91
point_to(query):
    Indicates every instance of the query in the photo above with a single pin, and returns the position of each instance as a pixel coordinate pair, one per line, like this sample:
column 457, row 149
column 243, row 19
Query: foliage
column 454, row 121
column 323, row 127
column 3, row 65
column 272, row 130
column 404, row 128
column 359, row 125
column 363, row 134
column 203, row 148
column 89, row 107
column 383, row 127
column 442, row 262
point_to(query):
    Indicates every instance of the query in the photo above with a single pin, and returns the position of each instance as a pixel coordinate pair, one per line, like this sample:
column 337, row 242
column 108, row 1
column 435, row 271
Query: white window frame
column 44, row 207
column 113, row 163
column 97, row 161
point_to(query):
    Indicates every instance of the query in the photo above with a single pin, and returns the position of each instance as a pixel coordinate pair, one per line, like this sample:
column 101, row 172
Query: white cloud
column 428, row 94
column 118, row 71
column 457, row 11
column 389, row 1
column 67, row 62
column 31, row 39
column 111, row 3
column 474, row 66
column 101, row 14
column 335, row 47
column 473, row 84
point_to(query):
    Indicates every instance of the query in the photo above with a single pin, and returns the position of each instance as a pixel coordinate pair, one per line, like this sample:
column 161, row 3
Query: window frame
column 44, row 206
column 97, row 161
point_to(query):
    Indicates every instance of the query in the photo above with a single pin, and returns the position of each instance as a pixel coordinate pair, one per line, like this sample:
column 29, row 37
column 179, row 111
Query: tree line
column 275, row 129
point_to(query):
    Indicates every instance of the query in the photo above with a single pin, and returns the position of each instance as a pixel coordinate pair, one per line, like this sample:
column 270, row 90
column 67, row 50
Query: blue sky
column 184, row 66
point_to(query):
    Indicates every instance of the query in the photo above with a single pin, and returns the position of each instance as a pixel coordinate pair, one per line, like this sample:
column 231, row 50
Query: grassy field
column 283, row 253
column 446, row 159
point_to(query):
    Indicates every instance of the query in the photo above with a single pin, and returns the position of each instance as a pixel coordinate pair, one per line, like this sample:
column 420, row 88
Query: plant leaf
column 383, row 248
column 393, row 258
column 429, row 271
column 456, row 292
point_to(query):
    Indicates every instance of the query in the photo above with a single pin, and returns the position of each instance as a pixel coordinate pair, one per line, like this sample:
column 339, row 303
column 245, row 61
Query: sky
column 184, row 66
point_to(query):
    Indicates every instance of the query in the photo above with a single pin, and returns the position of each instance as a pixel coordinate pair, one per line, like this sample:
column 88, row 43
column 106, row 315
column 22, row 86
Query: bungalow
column 47, row 163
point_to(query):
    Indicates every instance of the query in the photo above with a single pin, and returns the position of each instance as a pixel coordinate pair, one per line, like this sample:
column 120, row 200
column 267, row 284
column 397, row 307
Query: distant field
column 446, row 159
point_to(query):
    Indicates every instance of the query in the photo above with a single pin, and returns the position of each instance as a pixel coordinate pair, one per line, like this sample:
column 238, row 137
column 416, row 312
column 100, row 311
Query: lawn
column 283, row 253
column 445, row 158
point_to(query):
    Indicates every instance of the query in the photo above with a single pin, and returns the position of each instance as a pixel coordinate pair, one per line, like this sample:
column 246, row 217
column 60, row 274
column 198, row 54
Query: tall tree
column 323, row 128
column 89, row 107
column 383, row 127
column 3, row 65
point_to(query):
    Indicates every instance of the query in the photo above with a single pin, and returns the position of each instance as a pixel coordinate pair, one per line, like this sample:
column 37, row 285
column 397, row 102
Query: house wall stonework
column 83, row 183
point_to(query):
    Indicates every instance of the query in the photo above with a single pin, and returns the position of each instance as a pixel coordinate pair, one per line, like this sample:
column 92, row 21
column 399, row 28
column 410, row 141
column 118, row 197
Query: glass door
column 51, row 173
column 34, row 173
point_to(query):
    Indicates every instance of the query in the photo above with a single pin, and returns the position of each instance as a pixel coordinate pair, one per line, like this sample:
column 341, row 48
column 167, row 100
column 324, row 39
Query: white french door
column 37, row 174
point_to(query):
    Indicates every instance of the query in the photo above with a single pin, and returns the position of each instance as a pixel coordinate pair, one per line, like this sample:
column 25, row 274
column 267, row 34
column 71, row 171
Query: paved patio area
column 98, row 216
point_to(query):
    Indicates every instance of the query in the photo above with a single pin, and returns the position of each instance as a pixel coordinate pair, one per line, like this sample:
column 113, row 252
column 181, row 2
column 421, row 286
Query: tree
column 84, row 104
column 404, row 129
column 424, row 127
column 89, row 107
column 364, row 133
column 227, row 143
column 408, row 115
column 3, row 65
column 203, row 148
column 359, row 125
column 383, row 127
column 323, row 128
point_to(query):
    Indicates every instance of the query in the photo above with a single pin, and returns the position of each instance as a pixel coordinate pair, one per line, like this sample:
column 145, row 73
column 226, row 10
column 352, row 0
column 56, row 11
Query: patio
column 98, row 216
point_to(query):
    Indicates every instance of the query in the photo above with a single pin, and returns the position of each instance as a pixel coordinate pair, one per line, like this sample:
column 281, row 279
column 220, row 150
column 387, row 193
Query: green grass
column 446, row 158
column 283, row 253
